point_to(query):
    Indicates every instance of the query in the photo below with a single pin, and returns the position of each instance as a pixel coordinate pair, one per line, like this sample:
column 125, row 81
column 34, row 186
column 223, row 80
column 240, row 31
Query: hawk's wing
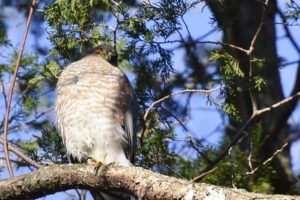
column 129, row 125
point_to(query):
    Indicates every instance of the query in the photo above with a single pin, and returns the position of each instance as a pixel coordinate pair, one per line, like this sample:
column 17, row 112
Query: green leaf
column 37, row 79
column 259, row 82
column 52, row 69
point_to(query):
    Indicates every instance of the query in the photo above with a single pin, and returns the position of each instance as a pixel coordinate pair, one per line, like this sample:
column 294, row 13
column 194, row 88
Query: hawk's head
column 107, row 52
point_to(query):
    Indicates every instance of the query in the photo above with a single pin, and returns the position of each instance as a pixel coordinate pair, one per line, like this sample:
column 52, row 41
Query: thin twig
column 288, row 24
column 227, row 45
column 204, row 42
column 251, row 48
column 206, row 34
column 114, row 30
column 202, row 175
column 190, row 138
column 21, row 155
column 262, row 22
column 141, row 134
column 275, row 153
column 11, row 173
column 33, row 120
column 187, row 28
column 4, row 93
column 234, row 141
column 176, row 93
column 268, row 160
column 161, row 162
column 250, row 155
column 289, row 63
column 287, row 31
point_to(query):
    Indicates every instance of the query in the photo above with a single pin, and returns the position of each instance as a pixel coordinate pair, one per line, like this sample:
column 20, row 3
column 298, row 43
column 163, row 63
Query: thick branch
column 143, row 183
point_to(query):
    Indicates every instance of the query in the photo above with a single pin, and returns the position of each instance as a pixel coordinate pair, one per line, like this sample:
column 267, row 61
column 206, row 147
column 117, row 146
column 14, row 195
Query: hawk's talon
column 98, row 165
column 103, row 167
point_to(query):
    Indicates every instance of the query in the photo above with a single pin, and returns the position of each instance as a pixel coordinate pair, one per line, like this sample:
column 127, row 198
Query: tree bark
column 239, row 20
column 142, row 183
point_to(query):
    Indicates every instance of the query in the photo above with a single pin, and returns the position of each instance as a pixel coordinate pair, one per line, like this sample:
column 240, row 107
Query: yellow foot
column 98, row 164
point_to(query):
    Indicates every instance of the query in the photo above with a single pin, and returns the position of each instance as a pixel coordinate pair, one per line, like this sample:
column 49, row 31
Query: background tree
column 240, row 77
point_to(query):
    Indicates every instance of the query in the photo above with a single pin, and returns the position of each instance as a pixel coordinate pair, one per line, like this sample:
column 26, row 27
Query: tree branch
column 189, row 137
column 287, row 31
column 21, row 155
column 144, row 184
column 179, row 92
column 240, row 134
column 268, row 160
column 12, row 88
column 262, row 22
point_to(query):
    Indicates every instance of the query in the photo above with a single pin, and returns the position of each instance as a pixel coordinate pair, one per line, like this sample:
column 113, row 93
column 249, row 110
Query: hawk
column 96, row 111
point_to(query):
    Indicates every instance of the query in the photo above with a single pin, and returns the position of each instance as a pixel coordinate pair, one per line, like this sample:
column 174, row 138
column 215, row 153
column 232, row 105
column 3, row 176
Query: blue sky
column 204, row 118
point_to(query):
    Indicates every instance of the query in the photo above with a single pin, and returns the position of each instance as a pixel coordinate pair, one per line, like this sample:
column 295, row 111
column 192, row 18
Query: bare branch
column 21, row 155
column 190, row 138
column 262, row 22
column 249, row 53
column 4, row 93
column 290, row 63
column 288, row 24
column 278, row 104
column 240, row 134
column 115, row 29
column 201, row 176
column 204, row 42
column 269, row 159
column 250, row 155
column 287, row 31
column 142, row 183
column 11, row 173
column 176, row 93
column 187, row 28
column 142, row 132
column 33, row 120
column 225, row 44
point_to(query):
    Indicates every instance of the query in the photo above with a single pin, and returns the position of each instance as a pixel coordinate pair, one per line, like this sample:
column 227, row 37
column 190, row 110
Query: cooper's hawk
column 96, row 110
